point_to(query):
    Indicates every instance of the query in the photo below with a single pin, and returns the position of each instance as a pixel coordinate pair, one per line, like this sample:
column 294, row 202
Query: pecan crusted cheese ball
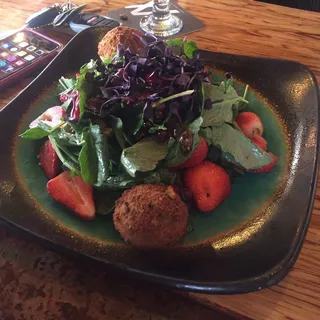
column 119, row 35
column 151, row 216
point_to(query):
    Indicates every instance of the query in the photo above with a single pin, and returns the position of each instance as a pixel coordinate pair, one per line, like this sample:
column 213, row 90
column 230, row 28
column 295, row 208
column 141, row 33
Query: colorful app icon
column 2, row 63
column 23, row 44
column 39, row 52
column 31, row 48
column 8, row 68
column 15, row 41
column 21, row 53
column 6, row 45
column 13, row 49
column 18, row 38
column 11, row 58
column 19, row 63
column 29, row 57
column 4, row 54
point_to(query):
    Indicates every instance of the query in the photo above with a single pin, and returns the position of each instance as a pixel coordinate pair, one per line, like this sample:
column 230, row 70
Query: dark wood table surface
column 39, row 284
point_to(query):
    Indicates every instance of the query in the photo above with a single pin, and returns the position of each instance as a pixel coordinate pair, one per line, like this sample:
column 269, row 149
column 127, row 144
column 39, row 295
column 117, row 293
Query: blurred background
column 312, row 5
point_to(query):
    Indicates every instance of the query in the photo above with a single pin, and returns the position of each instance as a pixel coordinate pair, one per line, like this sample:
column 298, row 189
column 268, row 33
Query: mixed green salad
column 134, row 118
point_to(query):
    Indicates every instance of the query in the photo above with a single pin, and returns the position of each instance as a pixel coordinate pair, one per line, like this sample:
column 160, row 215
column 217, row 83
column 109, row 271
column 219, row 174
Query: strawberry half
column 250, row 124
column 209, row 184
column 197, row 156
column 267, row 168
column 48, row 160
column 260, row 142
column 74, row 193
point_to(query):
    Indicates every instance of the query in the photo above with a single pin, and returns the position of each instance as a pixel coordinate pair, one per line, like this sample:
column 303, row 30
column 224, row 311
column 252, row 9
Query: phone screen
column 22, row 49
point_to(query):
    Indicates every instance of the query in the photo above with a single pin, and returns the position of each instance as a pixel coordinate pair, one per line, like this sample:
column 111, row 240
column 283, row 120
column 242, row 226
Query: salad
column 148, row 117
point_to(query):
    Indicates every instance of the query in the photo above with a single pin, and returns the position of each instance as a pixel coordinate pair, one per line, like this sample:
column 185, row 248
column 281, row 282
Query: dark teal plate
column 251, row 241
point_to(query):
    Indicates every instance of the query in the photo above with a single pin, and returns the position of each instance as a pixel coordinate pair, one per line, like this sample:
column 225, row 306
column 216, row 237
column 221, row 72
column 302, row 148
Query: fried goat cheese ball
column 151, row 216
column 119, row 35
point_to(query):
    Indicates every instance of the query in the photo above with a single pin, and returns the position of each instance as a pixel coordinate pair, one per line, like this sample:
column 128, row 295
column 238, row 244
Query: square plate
column 250, row 243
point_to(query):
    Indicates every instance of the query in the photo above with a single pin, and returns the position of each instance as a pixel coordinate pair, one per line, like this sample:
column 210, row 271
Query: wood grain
column 244, row 27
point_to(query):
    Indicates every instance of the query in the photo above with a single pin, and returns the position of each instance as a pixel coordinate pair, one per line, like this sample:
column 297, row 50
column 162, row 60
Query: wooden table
column 238, row 26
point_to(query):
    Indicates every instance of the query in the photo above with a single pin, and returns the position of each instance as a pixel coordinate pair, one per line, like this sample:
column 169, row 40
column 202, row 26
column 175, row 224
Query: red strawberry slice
column 250, row 124
column 197, row 156
column 49, row 160
column 74, row 193
column 267, row 168
column 260, row 142
column 209, row 184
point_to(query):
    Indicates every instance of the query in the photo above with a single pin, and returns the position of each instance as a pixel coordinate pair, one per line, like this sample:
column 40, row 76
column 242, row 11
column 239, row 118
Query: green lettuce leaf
column 93, row 157
column 85, row 87
column 175, row 155
column 42, row 130
column 119, row 182
column 189, row 48
column 226, row 104
column 34, row 133
column 236, row 147
column 181, row 47
column 117, row 127
column 161, row 176
column 68, row 158
column 143, row 156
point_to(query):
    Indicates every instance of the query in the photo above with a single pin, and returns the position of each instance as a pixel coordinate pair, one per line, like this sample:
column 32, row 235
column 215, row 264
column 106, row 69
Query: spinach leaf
column 181, row 47
column 195, row 125
column 107, row 61
column 189, row 48
column 132, row 119
column 93, row 157
column 42, row 130
column 215, row 155
column 236, row 147
column 68, row 159
column 120, row 181
column 139, row 123
column 117, row 127
column 143, row 156
column 68, row 138
column 91, row 66
column 161, row 176
column 225, row 104
column 34, row 133
column 175, row 155
column 176, row 45
column 85, row 87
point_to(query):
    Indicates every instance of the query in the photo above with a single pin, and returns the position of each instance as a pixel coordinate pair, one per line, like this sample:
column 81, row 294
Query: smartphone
column 24, row 52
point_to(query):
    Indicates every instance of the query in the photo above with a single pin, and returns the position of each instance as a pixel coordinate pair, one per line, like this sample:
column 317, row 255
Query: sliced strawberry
column 74, row 193
column 260, row 142
column 49, row 160
column 267, row 168
column 209, row 184
column 250, row 124
column 51, row 117
column 197, row 156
